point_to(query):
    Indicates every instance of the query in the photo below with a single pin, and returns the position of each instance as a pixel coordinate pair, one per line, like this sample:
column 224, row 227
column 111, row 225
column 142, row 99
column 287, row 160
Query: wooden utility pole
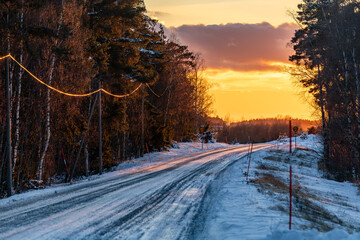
column 100, row 133
column 142, row 139
column 8, row 123
column 8, row 132
column 82, row 143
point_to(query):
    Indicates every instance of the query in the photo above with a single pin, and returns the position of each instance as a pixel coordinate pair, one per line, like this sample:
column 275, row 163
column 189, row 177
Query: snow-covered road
column 159, row 202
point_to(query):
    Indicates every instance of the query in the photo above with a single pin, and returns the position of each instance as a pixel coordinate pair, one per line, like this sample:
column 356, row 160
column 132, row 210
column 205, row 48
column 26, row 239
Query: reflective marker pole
column 250, row 152
column 290, row 193
column 290, row 186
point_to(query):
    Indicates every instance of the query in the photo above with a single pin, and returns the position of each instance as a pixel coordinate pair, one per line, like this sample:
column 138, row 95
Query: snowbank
column 130, row 166
column 258, row 209
column 306, row 235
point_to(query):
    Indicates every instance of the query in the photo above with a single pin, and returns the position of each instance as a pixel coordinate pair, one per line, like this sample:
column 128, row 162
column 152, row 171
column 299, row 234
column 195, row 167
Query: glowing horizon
column 274, row 88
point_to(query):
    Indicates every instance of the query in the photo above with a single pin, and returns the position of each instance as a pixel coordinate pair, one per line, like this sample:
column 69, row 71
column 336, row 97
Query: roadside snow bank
column 314, row 235
column 259, row 208
column 125, row 168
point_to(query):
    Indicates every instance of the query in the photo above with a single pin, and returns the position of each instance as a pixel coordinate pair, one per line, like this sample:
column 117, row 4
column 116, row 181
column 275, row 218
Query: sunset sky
column 244, row 44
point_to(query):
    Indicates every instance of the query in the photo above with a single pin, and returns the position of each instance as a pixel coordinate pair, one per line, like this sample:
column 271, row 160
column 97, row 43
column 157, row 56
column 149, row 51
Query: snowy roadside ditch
column 259, row 209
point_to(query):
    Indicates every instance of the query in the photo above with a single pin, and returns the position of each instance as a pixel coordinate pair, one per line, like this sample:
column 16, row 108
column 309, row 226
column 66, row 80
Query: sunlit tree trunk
column 48, row 101
column 357, row 102
column 17, row 117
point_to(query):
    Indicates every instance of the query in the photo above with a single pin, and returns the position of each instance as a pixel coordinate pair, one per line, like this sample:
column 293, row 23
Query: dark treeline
column 327, row 52
column 262, row 130
column 75, row 46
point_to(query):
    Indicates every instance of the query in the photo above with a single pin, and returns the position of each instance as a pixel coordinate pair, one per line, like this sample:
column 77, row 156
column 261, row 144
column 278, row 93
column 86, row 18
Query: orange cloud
column 245, row 64
column 239, row 47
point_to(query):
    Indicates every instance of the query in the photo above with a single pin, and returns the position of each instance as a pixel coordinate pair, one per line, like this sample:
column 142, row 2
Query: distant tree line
column 327, row 53
column 262, row 130
column 75, row 46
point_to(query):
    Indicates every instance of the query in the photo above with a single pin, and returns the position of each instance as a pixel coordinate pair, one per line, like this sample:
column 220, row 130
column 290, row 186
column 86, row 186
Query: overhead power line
column 124, row 95
column 1, row 58
column 157, row 95
column 66, row 93
column 152, row 91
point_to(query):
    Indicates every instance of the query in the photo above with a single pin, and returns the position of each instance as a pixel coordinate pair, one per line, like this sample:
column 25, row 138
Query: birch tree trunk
column 2, row 156
column 17, row 117
column 347, row 89
column 349, row 121
column 356, row 68
column 8, row 86
column 48, row 130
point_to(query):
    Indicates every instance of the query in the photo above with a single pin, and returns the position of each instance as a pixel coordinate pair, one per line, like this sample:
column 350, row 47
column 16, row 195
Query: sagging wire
column 66, row 93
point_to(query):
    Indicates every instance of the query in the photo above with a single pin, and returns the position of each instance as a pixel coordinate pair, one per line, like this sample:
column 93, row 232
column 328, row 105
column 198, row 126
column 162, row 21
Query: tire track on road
column 149, row 205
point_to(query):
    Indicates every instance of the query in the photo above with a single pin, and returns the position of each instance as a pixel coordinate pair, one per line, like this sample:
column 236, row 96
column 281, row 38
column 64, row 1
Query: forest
column 327, row 57
column 264, row 130
column 156, row 91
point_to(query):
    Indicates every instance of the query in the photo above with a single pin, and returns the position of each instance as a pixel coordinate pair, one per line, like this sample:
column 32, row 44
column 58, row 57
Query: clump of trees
column 327, row 53
column 78, row 46
column 262, row 130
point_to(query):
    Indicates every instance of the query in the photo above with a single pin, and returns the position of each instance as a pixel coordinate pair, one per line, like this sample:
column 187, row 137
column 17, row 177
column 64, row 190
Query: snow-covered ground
column 158, row 200
column 132, row 166
column 259, row 209
column 193, row 193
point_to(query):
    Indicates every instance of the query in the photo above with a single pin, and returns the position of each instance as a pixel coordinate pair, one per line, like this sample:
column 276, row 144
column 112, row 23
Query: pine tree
column 327, row 45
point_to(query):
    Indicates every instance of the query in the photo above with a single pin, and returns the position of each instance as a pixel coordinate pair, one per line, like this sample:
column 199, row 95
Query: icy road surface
column 159, row 202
